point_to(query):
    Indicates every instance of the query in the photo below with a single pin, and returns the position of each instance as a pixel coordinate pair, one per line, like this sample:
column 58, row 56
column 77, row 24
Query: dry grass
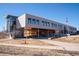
column 9, row 50
column 37, row 51
column 71, row 39
column 3, row 35
column 41, row 52
column 31, row 42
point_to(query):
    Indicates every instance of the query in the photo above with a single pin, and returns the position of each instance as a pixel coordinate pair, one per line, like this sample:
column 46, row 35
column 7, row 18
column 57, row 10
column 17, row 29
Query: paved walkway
column 64, row 45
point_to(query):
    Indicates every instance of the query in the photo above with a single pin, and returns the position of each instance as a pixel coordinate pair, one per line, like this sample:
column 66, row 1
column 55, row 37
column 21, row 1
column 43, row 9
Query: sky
column 53, row 11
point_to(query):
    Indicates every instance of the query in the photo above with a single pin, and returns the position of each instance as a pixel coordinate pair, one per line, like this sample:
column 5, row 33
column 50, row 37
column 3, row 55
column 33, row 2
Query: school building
column 28, row 25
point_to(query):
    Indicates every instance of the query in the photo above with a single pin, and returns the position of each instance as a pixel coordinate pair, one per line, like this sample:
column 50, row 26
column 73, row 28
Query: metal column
column 38, row 32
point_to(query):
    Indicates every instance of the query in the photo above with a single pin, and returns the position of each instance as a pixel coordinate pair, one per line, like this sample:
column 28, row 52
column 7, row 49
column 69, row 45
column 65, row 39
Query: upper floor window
column 29, row 21
column 37, row 22
column 43, row 23
column 33, row 21
column 48, row 24
column 60, row 26
column 71, row 28
column 53, row 25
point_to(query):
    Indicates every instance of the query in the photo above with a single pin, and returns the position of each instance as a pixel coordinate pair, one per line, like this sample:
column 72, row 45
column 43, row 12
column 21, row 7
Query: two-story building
column 28, row 25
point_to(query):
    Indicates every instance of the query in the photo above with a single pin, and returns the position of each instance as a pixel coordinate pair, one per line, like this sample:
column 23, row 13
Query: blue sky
column 52, row 11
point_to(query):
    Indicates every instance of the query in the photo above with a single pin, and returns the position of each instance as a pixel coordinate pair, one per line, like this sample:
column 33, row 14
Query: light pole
column 67, row 25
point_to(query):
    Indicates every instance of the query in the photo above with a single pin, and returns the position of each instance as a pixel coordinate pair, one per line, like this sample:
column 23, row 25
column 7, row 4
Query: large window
column 33, row 21
column 71, row 28
column 45, row 23
column 37, row 22
column 53, row 25
column 29, row 21
column 48, row 24
column 59, row 25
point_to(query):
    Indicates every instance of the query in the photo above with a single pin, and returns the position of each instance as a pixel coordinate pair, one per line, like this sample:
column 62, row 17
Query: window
column 14, row 22
column 43, row 23
column 29, row 21
column 37, row 22
column 74, row 28
column 48, row 24
column 71, row 28
column 33, row 21
column 60, row 26
column 53, row 25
